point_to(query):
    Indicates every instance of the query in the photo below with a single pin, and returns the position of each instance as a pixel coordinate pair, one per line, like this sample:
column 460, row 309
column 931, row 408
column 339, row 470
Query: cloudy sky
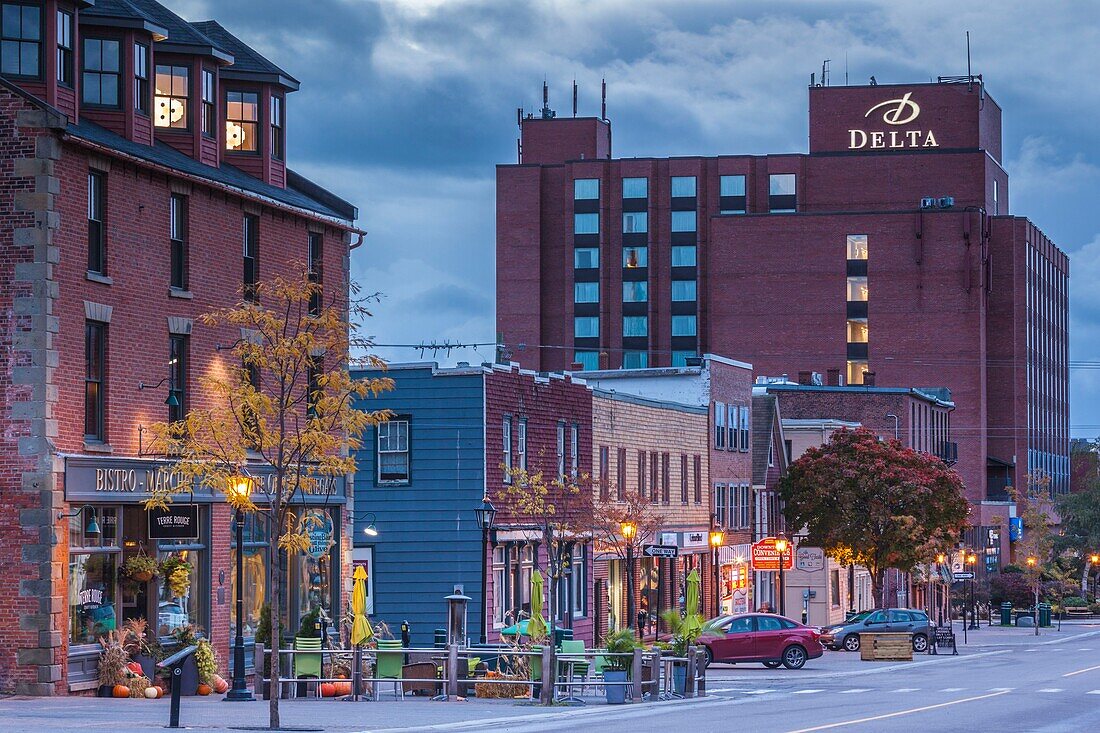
column 407, row 105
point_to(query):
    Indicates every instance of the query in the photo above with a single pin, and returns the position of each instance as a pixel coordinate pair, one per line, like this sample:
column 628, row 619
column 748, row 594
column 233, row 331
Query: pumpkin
column 160, row 691
column 342, row 688
column 120, row 691
column 328, row 689
column 204, row 689
column 219, row 684
column 151, row 693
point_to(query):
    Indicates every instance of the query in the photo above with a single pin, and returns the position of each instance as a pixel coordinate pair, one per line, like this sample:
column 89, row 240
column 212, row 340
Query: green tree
column 874, row 503
column 1080, row 513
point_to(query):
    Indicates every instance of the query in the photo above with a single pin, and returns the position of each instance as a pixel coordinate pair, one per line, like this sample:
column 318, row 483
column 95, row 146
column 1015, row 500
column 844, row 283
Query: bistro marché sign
column 130, row 480
column 895, row 112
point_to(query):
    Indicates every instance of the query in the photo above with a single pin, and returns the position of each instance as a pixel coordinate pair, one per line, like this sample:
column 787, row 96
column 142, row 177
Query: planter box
column 885, row 647
column 616, row 694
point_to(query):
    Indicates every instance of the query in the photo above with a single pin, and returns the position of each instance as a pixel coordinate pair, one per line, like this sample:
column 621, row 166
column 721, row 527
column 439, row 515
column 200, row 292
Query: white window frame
column 561, row 451
column 383, row 435
column 721, row 512
column 506, row 447
column 746, row 432
column 719, row 425
column 521, row 444
column 574, row 450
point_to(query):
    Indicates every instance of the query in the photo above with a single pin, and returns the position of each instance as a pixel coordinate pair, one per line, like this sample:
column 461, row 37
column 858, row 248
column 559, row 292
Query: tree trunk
column 878, row 583
column 1085, row 580
column 276, row 619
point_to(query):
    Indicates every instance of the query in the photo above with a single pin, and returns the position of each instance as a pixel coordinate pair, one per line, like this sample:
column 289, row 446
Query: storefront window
column 177, row 607
column 312, row 583
column 92, row 592
column 256, row 528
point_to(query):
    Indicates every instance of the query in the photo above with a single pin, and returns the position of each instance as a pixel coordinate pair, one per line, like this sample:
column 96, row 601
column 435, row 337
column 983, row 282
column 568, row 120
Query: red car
column 760, row 637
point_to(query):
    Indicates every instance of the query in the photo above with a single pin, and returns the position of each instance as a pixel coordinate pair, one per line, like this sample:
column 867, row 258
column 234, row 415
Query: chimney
column 868, row 379
column 605, row 360
column 806, row 377
column 576, row 367
column 833, row 377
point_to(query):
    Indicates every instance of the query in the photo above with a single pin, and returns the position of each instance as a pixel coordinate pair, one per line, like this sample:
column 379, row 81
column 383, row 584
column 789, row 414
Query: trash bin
column 1044, row 614
column 561, row 635
column 440, row 639
column 1006, row 614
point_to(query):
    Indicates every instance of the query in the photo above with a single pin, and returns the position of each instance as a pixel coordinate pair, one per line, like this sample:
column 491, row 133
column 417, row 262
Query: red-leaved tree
column 874, row 503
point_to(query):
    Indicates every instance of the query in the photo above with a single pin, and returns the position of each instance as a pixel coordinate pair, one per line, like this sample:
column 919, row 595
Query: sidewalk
column 1001, row 636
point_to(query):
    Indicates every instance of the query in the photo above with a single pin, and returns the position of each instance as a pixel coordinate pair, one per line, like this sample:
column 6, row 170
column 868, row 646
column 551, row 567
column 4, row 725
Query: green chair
column 572, row 655
column 389, row 661
column 307, row 665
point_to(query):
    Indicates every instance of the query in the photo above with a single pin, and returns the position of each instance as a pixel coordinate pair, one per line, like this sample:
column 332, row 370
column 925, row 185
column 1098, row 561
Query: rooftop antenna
column 825, row 73
column 547, row 113
column 603, row 99
column 969, row 74
column 574, row 97
column 845, row 68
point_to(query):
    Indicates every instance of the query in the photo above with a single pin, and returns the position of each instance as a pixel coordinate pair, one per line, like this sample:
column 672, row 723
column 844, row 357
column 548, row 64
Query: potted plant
column 143, row 647
column 685, row 631
column 617, row 668
column 112, row 664
column 206, row 663
column 141, row 568
column 177, row 575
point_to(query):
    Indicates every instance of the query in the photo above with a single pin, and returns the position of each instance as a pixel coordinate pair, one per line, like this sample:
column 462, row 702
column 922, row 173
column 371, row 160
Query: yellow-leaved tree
column 285, row 402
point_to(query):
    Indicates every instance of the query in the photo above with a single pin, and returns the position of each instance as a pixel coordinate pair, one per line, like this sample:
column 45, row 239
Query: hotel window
column 100, row 83
column 561, row 451
column 857, row 289
column 683, row 478
column 683, row 256
column 683, row 325
column 635, row 188
column 698, row 478
column 635, row 222
column 97, row 229
column 393, row 452
column 506, row 448
column 856, row 370
column 857, row 331
column 720, row 425
column 316, row 246
column 141, row 78
column 683, row 186
column 177, row 377
column 178, row 241
column 315, row 367
column 635, row 257
column 731, row 190
column 242, row 120
column 209, row 104
column 857, row 246
column 586, row 258
column 683, row 221
column 65, row 48
column 586, row 189
column 574, row 448
column 635, row 291
column 277, row 139
column 586, row 292
column 679, row 358
column 721, row 497
column 586, row 223
column 95, row 387
column 521, row 445
column 605, row 473
column 589, row 360
column 172, row 96
column 586, row 327
column 635, row 359
column 21, row 39
column 635, row 326
column 782, row 189
column 683, row 290
column 620, row 474
column 251, row 257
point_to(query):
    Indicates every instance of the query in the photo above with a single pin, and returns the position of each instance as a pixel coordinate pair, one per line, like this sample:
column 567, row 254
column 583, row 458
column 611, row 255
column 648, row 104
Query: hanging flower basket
column 140, row 568
column 177, row 575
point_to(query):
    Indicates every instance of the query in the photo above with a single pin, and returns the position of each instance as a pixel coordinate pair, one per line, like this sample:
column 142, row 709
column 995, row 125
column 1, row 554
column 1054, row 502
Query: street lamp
column 629, row 530
column 716, row 540
column 1033, row 564
column 241, row 488
column 485, row 514
column 941, row 559
column 781, row 546
column 972, row 561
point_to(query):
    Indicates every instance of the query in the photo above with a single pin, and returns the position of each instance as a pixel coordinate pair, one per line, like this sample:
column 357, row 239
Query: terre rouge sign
column 765, row 557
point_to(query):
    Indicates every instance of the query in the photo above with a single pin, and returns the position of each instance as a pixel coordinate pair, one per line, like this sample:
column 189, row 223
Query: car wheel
column 710, row 657
column 920, row 643
column 851, row 643
column 794, row 657
column 772, row 664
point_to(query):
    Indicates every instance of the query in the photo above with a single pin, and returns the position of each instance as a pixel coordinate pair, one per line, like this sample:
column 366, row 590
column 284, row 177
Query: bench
column 1077, row 612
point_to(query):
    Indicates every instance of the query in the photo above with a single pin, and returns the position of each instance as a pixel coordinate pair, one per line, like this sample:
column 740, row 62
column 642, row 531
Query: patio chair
column 306, row 665
column 389, row 661
column 572, row 657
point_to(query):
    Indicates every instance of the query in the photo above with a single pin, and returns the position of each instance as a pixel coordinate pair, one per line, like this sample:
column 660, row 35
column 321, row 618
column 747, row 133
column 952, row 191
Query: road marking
column 1001, row 689
column 953, row 689
column 1081, row 671
column 904, row 665
column 907, row 689
column 1051, row 689
column 1031, row 650
column 1075, row 637
column 1085, row 649
column 1093, row 692
column 855, row 690
column 758, row 692
column 806, row 692
column 897, row 714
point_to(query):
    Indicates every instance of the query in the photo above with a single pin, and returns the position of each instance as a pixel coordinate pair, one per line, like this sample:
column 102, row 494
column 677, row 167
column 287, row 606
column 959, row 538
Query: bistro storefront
column 112, row 527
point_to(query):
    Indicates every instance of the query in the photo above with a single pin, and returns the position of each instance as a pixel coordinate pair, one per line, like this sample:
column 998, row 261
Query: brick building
column 888, row 250
column 140, row 156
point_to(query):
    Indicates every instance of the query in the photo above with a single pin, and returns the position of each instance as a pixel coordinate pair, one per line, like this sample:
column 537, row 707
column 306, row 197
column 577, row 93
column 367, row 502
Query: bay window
column 172, row 96
column 242, row 119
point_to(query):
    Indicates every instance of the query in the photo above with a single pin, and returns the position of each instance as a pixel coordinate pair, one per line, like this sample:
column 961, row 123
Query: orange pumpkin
column 342, row 688
column 120, row 691
column 204, row 689
column 160, row 691
column 328, row 689
column 219, row 684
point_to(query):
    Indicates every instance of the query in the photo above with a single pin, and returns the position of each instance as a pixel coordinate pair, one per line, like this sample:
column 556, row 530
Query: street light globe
column 1094, row 559
column 716, row 538
column 972, row 559
column 1032, row 562
column 941, row 558
column 240, row 486
column 781, row 545
column 628, row 530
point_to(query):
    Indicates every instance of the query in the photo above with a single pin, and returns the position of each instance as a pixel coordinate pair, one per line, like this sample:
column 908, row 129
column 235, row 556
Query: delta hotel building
column 887, row 255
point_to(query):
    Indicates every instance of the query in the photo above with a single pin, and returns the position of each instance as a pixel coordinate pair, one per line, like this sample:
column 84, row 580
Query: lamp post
column 1033, row 565
column 1094, row 560
column 241, row 487
column 782, row 544
column 942, row 559
column 629, row 530
column 972, row 561
column 485, row 514
column 716, row 539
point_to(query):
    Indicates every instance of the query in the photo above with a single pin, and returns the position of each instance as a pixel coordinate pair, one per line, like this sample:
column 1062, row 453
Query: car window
column 787, row 623
column 878, row 617
column 768, row 623
column 741, row 625
column 900, row 617
column 861, row 616
column 919, row 616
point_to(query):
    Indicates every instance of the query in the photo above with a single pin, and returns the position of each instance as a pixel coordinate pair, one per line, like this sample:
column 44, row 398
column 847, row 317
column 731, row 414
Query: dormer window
column 277, row 145
column 242, row 116
column 141, row 78
column 65, row 48
column 209, row 118
column 100, row 83
column 21, row 39
column 172, row 96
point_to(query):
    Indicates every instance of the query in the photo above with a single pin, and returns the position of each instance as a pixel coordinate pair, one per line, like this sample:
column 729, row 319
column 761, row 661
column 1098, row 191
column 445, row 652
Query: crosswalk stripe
column 854, row 690
column 805, row 692
column 953, row 689
column 1093, row 692
column 1051, row 689
column 907, row 689
column 1001, row 689
column 758, row 692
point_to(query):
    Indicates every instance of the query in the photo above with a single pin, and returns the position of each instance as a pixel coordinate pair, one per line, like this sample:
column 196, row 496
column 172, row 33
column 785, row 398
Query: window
column 857, row 246
column 277, row 140
column 506, row 448
column 996, row 203
column 95, row 372
column 745, row 422
column 635, row 188
column 605, row 472
column 315, row 367
column 679, row 358
column 141, row 78
column 635, row 222
column 65, row 48
column 177, row 377
column 242, row 119
column 100, row 83
column 586, row 223
column 857, row 331
column 683, row 186
column 250, row 419
column 316, row 246
column 635, row 359
column 641, row 474
column 172, row 95
column 393, row 452
column 683, row 325
column 781, row 190
column 683, row 290
column 586, row 258
column 855, row 371
column 586, row 292
column 721, row 496
column 561, row 451
column 654, row 476
column 21, row 39
column 720, row 425
column 589, row 360
column 574, row 446
column 683, row 478
column 733, row 411
column 698, row 483
column 578, row 581
column 500, row 596
column 769, row 623
column 739, row 506
column 857, row 288
column 177, row 225
column 666, row 478
column 256, row 540
column 635, row 257
column 635, row 291
column 97, row 229
column 586, row 188
column 251, row 256
column 683, row 256
column 731, row 190
column 521, row 445
column 683, row 221
column 586, row 327
column 834, row 588
column 635, row 326
column 620, row 475
column 209, row 104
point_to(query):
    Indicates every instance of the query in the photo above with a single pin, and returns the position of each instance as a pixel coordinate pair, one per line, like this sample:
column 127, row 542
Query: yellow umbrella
column 361, row 630
column 536, row 626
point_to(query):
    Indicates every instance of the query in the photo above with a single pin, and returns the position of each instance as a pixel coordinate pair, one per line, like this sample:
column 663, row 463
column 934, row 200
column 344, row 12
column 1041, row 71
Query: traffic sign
column 660, row 550
column 964, row 575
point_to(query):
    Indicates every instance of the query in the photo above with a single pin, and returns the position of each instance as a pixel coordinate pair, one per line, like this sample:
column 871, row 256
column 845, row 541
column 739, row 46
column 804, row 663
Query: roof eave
column 158, row 32
column 264, row 77
column 203, row 50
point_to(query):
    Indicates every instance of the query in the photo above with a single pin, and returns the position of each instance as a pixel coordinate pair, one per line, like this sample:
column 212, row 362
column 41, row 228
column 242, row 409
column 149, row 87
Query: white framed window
column 739, row 506
column 586, row 223
column 721, row 495
column 635, row 188
column 634, row 257
column 393, row 452
column 733, row 411
column 521, row 445
column 500, row 601
column 857, row 246
column 720, row 425
column 561, row 451
column 586, row 292
column 683, row 186
column 635, row 326
column 683, row 221
column 586, row 258
column 683, row 291
column 745, row 423
column 578, row 580
column 574, row 448
column 506, row 448
column 586, row 189
column 586, row 326
column 635, row 291
column 683, row 325
column 635, row 222
column 683, row 255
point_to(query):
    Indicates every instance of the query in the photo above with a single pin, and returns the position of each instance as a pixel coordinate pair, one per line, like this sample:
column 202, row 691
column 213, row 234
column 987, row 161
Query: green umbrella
column 360, row 627
column 536, row 626
column 519, row 629
column 693, row 622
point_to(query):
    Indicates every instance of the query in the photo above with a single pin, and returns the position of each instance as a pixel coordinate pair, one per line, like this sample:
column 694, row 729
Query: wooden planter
column 885, row 647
